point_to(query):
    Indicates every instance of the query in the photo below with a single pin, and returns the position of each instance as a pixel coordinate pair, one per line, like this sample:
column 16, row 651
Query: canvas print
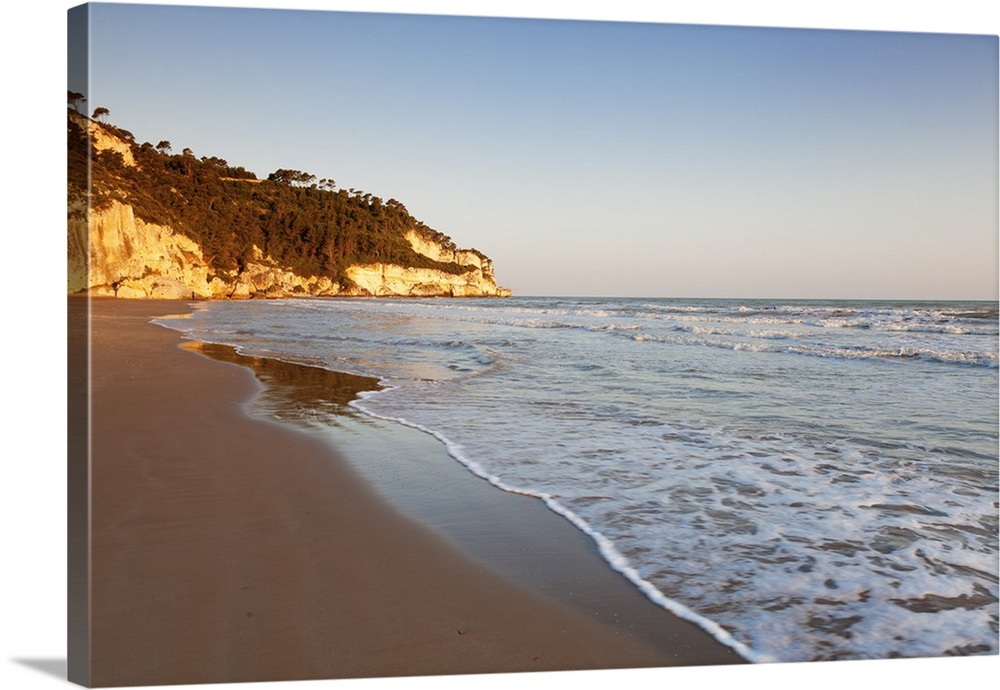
column 417, row 345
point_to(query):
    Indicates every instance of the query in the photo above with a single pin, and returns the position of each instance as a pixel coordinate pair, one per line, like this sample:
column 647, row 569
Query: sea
column 807, row 480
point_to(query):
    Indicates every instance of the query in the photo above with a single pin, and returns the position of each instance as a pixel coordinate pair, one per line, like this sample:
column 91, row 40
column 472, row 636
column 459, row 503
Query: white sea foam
column 605, row 546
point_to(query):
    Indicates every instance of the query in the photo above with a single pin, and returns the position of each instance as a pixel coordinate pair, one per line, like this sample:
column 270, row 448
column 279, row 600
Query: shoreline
column 518, row 534
column 219, row 540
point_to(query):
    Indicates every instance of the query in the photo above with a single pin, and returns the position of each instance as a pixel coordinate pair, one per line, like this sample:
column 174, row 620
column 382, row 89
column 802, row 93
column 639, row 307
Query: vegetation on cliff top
column 307, row 225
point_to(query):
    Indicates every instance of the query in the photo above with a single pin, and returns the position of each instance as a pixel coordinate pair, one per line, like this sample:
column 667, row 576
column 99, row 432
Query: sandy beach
column 226, row 548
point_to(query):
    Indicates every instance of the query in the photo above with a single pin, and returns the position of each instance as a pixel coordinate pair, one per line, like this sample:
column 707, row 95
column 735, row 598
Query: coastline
column 226, row 548
column 514, row 534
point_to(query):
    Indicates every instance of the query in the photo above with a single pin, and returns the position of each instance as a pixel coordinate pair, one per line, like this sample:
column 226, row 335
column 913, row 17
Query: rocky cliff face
column 102, row 140
column 111, row 252
column 383, row 280
column 389, row 279
column 117, row 254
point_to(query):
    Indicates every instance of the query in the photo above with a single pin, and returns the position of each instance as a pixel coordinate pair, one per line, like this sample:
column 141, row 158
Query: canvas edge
column 78, row 421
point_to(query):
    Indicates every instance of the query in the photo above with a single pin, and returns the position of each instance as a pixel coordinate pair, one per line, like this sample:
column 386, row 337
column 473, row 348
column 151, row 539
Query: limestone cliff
column 132, row 259
column 381, row 279
column 114, row 249
column 103, row 139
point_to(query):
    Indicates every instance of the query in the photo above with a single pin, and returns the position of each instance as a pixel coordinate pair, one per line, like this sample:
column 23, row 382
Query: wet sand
column 226, row 548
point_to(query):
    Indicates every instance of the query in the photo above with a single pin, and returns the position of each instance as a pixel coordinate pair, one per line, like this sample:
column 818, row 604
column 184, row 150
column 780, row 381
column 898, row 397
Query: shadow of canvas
column 51, row 667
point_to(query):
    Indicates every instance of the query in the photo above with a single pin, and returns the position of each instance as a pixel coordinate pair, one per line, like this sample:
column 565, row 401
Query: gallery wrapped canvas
column 420, row 345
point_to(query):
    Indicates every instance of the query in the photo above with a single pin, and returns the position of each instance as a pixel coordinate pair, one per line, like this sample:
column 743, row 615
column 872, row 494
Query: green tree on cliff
column 74, row 98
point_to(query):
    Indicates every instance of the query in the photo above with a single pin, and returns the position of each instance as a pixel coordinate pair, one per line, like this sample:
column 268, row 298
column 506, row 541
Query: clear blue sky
column 595, row 157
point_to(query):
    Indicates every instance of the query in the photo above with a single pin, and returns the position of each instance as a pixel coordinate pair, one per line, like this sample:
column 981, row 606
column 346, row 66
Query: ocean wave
column 794, row 528
column 904, row 326
column 606, row 547
column 767, row 494
column 967, row 358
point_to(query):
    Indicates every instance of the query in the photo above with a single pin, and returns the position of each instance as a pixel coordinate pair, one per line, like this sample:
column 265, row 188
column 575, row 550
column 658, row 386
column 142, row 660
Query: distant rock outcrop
column 385, row 280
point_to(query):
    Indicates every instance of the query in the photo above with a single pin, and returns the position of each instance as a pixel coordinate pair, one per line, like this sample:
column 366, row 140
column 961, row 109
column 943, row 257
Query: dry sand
column 225, row 548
